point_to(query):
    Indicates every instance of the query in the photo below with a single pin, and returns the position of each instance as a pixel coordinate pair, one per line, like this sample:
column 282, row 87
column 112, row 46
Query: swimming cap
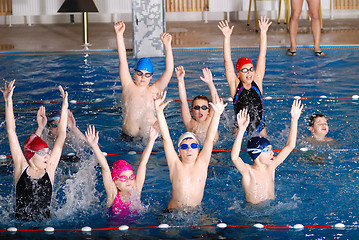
column 118, row 167
column 144, row 64
column 54, row 115
column 242, row 61
column 33, row 143
column 187, row 135
column 255, row 146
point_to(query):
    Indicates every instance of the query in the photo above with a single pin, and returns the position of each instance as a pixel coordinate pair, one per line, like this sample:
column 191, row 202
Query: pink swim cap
column 242, row 61
column 118, row 167
column 33, row 143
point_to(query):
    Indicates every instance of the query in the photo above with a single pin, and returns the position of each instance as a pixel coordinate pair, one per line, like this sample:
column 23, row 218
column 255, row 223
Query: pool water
column 314, row 188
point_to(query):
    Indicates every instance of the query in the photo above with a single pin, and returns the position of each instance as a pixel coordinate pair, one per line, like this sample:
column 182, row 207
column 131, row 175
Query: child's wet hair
column 313, row 117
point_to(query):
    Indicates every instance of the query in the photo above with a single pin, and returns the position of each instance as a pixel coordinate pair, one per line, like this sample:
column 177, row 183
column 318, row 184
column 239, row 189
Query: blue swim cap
column 255, row 146
column 144, row 64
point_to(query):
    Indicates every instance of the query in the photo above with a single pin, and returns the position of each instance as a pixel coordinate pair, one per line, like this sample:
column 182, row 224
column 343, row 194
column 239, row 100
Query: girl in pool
column 34, row 174
column 123, row 188
column 246, row 87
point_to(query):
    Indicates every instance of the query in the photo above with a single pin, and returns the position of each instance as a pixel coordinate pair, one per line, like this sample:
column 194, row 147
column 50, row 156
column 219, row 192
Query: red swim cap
column 33, row 143
column 242, row 61
column 119, row 167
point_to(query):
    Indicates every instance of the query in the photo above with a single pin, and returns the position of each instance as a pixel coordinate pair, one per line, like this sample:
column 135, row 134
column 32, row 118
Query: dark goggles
column 139, row 73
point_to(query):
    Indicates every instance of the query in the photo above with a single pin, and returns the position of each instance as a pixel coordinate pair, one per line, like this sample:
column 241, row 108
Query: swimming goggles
column 245, row 70
column 258, row 150
column 197, row 107
column 184, row 146
column 147, row 75
column 41, row 152
column 125, row 178
column 52, row 124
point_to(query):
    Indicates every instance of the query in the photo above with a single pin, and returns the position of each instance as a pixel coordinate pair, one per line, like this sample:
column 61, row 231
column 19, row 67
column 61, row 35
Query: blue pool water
column 316, row 187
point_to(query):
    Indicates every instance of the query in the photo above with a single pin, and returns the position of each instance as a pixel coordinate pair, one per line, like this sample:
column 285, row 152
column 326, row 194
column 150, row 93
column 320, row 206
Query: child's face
column 142, row 78
column 320, row 126
column 125, row 181
column 189, row 154
column 41, row 158
column 267, row 155
column 53, row 127
column 200, row 114
column 246, row 73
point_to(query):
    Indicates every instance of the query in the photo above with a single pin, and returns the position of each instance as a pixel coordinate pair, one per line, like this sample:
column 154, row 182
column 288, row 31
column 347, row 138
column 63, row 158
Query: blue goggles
column 258, row 150
column 184, row 146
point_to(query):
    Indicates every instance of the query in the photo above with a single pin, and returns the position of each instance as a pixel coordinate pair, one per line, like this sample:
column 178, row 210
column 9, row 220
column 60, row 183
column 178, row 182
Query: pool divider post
column 148, row 22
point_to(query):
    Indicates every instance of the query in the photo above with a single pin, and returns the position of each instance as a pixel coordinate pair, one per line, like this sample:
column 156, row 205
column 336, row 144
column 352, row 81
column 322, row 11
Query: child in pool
column 188, row 168
column 137, row 95
column 123, row 189
column 34, row 174
column 258, row 178
column 73, row 138
column 246, row 88
column 318, row 126
column 202, row 113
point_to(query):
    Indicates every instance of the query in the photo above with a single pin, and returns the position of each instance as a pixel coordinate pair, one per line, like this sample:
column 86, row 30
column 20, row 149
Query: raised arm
column 141, row 171
column 61, row 136
column 41, row 121
column 218, row 108
column 261, row 62
column 125, row 76
column 292, row 136
column 185, row 112
column 92, row 138
column 208, row 78
column 16, row 152
column 228, row 64
column 165, row 78
column 170, row 152
column 243, row 121
column 71, row 124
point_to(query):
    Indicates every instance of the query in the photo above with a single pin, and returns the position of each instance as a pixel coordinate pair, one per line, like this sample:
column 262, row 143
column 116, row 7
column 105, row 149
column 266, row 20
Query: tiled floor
column 60, row 37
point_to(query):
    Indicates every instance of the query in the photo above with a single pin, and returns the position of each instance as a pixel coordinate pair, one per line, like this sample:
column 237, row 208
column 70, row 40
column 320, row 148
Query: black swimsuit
column 33, row 197
column 250, row 99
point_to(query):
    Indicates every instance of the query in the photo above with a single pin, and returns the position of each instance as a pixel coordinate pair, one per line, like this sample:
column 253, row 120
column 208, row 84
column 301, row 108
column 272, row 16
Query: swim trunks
column 252, row 100
column 33, row 197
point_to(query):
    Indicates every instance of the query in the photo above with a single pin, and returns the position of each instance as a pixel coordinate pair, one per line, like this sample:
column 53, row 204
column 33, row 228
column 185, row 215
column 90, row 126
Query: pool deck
column 68, row 37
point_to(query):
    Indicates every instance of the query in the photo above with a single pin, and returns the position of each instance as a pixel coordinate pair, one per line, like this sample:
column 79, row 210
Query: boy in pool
column 52, row 120
column 246, row 88
column 189, row 166
column 258, row 178
column 123, row 188
column 318, row 126
column 202, row 113
column 137, row 95
column 34, row 174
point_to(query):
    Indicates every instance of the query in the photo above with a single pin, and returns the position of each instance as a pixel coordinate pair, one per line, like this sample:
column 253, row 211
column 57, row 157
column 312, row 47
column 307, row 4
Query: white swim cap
column 187, row 135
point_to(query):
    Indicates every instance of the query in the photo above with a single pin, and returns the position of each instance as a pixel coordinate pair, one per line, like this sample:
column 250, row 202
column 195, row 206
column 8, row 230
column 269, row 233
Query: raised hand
column 224, row 27
column 166, row 38
column 120, row 27
column 91, row 135
column 180, row 72
column 218, row 105
column 159, row 101
column 243, row 119
column 207, row 75
column 264, row 23
column 8, row 90
column 296, row 110
column 41, row 117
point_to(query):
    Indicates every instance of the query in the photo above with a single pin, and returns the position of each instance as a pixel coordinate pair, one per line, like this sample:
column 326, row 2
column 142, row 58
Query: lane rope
column 222, row 225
